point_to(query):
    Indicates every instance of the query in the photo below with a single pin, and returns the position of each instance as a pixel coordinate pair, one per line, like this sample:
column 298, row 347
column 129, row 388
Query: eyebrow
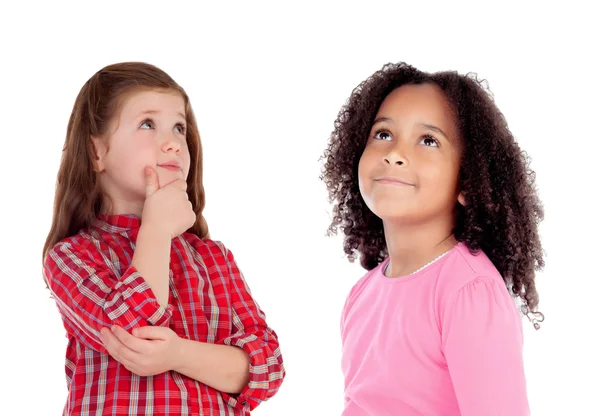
column 434, row 128
column 382, row 120
column 156, row 112
column 423, row 125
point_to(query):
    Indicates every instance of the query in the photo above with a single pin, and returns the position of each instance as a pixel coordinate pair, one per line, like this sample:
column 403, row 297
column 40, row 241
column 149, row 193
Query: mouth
column 392, row 181
column 172, row 166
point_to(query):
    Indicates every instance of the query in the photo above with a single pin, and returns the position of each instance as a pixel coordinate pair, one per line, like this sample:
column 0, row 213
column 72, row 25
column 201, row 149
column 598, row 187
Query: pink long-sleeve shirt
column 445, row 341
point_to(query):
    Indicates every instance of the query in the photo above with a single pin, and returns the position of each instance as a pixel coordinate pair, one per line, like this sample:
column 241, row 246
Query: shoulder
column 463, row 268
column 208, row 249
column 204, row 244
column 80, row 245
column 470, row 282
column 361, row 284
column 74, row 258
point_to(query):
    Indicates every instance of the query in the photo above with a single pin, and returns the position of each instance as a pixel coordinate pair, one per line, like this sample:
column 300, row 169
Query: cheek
column 439, row 179
column 131, row 157
column 368, row 161
column 186, row 160
column 363, row 174
column 143, row 153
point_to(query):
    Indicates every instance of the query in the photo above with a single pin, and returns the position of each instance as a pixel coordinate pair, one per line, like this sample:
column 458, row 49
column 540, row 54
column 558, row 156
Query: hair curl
column 502, row 210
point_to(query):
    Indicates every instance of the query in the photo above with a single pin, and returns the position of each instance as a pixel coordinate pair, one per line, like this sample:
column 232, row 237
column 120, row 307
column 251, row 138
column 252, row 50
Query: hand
column 149, row 351
column 167, row 208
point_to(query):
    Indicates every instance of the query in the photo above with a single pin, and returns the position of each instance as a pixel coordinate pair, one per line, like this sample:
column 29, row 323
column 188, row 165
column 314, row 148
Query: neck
column 118, row 200
column 118, row 206
column 411, row 246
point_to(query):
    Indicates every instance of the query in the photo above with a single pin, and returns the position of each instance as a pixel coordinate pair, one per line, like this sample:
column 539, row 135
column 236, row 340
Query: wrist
column 180, row 346
column 154, row 231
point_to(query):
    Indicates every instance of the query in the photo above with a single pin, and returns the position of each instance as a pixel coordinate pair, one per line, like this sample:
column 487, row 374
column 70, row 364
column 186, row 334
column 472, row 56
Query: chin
column 399, row 210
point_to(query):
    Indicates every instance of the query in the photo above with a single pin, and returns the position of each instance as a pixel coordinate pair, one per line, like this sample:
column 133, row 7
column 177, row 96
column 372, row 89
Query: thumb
column 149, row 332
column 151, row 181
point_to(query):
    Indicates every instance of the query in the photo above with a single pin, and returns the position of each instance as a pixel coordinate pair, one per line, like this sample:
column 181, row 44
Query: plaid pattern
column 94, row 286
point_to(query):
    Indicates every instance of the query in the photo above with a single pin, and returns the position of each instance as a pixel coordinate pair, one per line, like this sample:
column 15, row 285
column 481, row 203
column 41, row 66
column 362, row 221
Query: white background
column 266, row 82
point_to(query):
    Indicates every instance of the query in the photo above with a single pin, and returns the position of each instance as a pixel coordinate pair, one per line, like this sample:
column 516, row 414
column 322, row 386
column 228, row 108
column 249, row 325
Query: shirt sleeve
column 353, row 295
column 250, row 332
column 90, row 296
column 482, row 340
column 344, row 313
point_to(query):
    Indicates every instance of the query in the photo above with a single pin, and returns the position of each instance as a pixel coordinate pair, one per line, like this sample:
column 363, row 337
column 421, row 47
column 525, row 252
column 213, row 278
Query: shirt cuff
column 142, row 304
column 260, row 387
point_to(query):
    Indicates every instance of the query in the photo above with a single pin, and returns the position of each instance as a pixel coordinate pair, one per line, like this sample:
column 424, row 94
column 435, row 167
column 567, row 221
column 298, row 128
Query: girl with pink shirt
column 434, row 195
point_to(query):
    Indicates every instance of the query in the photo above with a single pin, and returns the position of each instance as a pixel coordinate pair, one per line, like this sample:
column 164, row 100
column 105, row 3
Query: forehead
column 425, row 103
column 138, row 101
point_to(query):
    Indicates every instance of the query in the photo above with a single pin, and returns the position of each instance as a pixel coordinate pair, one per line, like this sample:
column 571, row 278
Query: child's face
column 409, row 169
column 149, row 130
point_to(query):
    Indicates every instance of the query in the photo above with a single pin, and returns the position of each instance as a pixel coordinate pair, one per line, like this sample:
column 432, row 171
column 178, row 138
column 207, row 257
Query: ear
column 461, row 199
column 100, row 150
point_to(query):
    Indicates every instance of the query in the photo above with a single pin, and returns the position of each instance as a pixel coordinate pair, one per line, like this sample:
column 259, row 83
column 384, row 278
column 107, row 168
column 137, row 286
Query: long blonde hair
column 78, row 196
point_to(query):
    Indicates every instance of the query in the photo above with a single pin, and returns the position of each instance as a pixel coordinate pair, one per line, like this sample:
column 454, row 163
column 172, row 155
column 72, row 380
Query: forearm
column 151, row 259
column 222, row 367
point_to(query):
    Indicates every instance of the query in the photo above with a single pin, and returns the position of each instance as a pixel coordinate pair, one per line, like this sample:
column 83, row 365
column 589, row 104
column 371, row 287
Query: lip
column 172, row 165
column 388, row 180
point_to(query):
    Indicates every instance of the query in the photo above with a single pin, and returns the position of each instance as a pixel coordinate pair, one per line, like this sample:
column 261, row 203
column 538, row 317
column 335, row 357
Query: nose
column 171, row 144
column 395, row 156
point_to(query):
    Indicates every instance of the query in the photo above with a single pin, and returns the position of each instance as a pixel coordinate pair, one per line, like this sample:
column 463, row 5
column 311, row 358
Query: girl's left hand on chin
column 149, row 351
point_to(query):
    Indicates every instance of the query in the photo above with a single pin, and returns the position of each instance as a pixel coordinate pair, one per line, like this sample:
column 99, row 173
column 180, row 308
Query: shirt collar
column 116, row 223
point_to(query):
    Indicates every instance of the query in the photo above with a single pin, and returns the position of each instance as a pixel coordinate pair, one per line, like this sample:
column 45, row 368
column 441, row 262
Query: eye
column 147, row 124
column 180, row 128
column 383, row 135
column 429, row 141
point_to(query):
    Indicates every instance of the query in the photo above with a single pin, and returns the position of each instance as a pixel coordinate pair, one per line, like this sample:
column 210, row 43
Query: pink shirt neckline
column 407, row 278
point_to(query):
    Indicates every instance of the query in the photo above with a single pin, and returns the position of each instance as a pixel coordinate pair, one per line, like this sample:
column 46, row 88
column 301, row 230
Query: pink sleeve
column 351, row 298
column 345, row 311
column 482, row 339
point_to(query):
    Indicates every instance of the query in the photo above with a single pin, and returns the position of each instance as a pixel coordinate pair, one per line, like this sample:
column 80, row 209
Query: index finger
column 129, row 340
column 178, row 183
column 152, row 184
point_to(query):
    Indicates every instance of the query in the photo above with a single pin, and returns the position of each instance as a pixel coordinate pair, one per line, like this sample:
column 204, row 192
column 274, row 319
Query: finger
column 104, row 333
column 117, row 349
column 151, row 181
column 176, row 183
column 133, row 343
column 151, row 332
column 180, row 184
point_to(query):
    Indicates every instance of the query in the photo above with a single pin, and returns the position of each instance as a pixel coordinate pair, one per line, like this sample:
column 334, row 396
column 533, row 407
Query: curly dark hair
column 502, row 209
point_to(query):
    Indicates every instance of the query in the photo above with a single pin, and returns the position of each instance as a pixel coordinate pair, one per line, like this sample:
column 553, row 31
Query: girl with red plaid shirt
column 158, row 317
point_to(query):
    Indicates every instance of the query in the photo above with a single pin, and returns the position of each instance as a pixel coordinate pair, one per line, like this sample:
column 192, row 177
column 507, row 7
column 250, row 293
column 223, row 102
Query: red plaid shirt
column 94, row 285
